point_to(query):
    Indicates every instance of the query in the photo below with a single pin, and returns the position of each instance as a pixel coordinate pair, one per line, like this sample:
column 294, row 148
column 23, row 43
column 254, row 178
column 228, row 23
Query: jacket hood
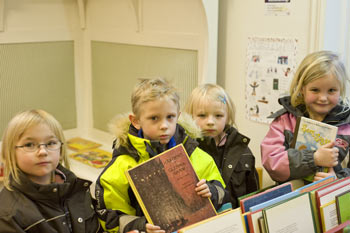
column 120, row 126
column 339, row 115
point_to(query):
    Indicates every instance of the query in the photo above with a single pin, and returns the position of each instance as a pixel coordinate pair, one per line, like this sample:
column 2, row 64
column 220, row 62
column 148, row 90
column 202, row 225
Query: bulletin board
column 271, row 64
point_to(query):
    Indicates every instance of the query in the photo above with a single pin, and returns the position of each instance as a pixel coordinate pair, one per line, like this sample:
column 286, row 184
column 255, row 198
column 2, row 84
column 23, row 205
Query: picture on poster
column 271, row 63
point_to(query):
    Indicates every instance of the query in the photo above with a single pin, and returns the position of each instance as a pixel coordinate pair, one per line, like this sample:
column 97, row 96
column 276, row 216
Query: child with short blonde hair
column 40, row 195
column 149, row 130
column 214, row 112
column 317, row 91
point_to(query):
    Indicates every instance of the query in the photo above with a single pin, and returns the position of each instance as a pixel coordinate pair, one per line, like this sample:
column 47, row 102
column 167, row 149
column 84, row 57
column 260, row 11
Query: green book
column 342, row 203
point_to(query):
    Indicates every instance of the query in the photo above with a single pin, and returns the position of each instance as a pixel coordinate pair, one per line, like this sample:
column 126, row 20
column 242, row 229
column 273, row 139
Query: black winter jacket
column 236, row 163
column 35, row 208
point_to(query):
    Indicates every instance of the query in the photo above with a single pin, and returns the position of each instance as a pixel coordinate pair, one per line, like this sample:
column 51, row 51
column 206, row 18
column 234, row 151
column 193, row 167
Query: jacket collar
column 339, row 115
column 50, row 192
column 143, row 148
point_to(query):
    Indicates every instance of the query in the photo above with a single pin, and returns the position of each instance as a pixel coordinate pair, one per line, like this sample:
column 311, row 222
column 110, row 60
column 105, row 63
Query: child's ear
column 134, row 121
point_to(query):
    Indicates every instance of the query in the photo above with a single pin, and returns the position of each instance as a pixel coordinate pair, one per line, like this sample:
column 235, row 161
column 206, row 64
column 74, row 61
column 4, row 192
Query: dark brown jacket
column 236, row 163
column 35, row 208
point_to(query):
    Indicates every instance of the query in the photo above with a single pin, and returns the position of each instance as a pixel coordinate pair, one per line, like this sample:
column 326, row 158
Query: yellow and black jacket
column 117, row 206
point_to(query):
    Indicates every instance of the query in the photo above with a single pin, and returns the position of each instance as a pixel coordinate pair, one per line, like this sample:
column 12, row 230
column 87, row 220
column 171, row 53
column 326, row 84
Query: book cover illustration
column 78, row 144
column 310, row 134
column 165, row 188
column 94, row 157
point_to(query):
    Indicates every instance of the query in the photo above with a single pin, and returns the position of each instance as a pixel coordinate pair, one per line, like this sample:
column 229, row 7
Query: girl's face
column 321, row 96
column 211, row 117
column 39, row 164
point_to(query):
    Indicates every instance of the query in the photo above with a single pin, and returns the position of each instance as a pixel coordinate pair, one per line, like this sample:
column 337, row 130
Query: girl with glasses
column 40, row 193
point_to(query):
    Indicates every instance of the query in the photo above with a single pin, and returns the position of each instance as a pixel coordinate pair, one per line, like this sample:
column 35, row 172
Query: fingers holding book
column 202, row 189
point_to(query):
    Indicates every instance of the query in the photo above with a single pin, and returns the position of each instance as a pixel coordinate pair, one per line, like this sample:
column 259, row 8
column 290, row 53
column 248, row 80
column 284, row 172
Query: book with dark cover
column 165, row 189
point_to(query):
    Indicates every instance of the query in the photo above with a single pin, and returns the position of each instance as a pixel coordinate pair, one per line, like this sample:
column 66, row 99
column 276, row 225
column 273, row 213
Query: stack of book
column 87, row 152
column 164, row 186
column 322, row 206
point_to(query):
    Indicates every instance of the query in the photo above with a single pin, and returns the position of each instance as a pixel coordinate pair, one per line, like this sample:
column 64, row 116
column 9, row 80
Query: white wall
column 168, row 23
column 178, row 24
column 164, row 23
column 239, row 20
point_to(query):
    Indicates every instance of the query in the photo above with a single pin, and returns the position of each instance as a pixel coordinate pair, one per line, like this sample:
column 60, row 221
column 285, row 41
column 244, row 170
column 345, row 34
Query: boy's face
column 157, row 119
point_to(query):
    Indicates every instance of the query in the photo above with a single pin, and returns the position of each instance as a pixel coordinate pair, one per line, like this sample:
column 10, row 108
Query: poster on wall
column 271, row 63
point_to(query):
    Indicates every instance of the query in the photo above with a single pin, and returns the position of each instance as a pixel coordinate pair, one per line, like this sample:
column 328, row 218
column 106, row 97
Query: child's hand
column 327, row 155
column 321, row 175
column 150, row 228
column 202, row 189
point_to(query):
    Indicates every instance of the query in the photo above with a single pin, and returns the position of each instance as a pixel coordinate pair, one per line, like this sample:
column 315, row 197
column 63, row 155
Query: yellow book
column 79, row 144
column 329, row 217
column 94, row 157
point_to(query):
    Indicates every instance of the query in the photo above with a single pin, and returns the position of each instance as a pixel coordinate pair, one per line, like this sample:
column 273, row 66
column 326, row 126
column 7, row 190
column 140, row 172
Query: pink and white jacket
column 284, row 163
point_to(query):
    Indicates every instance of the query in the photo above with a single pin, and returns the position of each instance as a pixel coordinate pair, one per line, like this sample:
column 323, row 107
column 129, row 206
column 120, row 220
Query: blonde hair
column 211, row 92
column 314, row 66
column 14, row 131
column 150, row 90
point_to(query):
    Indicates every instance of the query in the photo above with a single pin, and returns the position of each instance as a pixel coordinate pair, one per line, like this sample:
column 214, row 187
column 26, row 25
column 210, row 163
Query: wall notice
column 277, row 7
column 271, row 65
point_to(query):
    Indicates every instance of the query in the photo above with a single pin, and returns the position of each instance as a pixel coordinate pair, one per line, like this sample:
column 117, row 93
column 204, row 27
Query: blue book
column 274, row 201
column 265, row 196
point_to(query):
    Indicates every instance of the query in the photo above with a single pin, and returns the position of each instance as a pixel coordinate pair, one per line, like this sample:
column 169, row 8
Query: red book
column 165, row 189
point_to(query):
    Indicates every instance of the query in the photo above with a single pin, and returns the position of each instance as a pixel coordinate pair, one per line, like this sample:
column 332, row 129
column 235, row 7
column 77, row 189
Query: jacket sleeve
column 115, row 212
column 219, row 195
column 252, row 180
column 343, row 172
column 205, row 168
column 9, row 225
column 282, row 162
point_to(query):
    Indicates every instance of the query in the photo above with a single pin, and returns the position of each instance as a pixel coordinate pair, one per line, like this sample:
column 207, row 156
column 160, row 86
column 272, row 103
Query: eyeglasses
column 32, row 147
